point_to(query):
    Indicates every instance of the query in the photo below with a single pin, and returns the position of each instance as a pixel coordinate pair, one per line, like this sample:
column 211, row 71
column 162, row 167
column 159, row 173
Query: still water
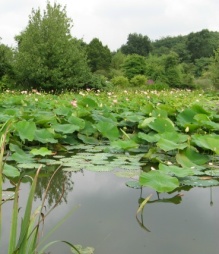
column 106, row 218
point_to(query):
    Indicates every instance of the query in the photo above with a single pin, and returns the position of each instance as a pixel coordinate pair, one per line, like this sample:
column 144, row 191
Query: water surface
column 106, row 219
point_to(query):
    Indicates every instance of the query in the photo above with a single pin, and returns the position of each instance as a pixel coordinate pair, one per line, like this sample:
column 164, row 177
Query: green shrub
column 158, row 86
column 203, row 83
column 120, row 81
column 98, row 82
column 138, row 80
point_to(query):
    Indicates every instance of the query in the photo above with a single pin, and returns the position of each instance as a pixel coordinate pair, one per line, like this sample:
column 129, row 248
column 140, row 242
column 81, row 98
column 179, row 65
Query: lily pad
column 43, row 151
column 133, row 184
column 196, row 181
column 158, row 181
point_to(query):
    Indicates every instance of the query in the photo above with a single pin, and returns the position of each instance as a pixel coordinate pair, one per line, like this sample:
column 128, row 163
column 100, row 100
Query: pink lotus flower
column 74, row 103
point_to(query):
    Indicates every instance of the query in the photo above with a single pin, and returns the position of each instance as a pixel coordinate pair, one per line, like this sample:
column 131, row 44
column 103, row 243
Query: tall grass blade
column 58, row 241
column 14, row 222
column 57, row 226
column 22, row 242
column 3, row 139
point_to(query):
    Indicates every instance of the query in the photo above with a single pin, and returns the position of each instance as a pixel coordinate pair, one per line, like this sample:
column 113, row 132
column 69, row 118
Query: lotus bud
column 187, row 129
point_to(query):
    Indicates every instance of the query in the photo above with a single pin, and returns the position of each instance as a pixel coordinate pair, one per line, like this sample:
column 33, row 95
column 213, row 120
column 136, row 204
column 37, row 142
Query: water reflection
column 61, row 185
column 180, row 222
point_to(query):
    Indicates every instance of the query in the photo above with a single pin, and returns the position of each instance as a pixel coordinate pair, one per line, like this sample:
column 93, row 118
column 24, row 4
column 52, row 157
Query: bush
column 138, row 80
column 204, row 84
column 98, row 82
column 120, row 81
column 158, row 86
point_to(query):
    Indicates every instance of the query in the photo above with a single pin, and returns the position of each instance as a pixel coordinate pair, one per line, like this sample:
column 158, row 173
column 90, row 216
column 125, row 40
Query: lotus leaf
column 196, row 181
column 158, row 181
column 43, row 151
column 26, row 130
column 210, row 142
column 108, row 130
column 10, row 171
column 175, row 170
column 162, row 125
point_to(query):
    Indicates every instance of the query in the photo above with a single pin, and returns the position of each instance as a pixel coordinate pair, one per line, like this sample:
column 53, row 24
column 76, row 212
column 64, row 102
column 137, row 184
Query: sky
column 111, row 21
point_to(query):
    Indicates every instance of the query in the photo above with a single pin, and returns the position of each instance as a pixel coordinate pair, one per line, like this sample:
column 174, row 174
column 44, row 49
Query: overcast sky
column 112, row 20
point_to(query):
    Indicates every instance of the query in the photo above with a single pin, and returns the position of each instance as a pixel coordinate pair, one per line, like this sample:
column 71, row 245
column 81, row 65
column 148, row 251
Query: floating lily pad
column 98, row 168
column 43, row 151
column 196, row 181
column 30, row 165
column 86, row 250
column 212, row 172
column 127, row 173
column 133, row 184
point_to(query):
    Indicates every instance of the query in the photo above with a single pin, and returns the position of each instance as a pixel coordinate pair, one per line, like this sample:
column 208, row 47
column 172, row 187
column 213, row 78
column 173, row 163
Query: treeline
column 48, row 57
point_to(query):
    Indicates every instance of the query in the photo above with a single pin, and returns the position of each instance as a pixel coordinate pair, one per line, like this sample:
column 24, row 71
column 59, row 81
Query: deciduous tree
column 48, row 57
column 137, row 44
column 99, row 56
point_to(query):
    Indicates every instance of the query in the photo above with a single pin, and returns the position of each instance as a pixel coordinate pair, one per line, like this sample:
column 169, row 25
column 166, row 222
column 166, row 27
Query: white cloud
column 112, row 20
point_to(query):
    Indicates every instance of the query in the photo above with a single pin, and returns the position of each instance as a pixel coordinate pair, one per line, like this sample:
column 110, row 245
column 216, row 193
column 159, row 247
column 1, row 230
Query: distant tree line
column 48, row 57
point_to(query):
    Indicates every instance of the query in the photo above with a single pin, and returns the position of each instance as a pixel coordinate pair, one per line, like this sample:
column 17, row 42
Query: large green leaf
column 108, row 130
column 196, row 181
column 43, row 151
column 65, row 128
column 77, row 121
column 172, row 140
column 162, row 125
column 10, row 171
column 88, row 102
column 175, row 170
column 187, row 116
column 19, row 155
column 150, row 137
column 88, row 139
column 210, row 142
column 124, row 144
column 26, row 130
column 186, row 160
column 45, row 136
column 159, row 181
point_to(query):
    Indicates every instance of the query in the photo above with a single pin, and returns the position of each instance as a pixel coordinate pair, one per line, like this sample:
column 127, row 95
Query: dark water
column 106, row 219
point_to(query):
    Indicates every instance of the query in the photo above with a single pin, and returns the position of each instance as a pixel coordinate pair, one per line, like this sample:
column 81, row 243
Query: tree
column 99, row 56
column 202, row 44
column 172, row 70
column 137, row 44
column 169, row 44
column 155, row 68
column 134, row 65
column 47, row 56
column 6, row 60
column 214, row 67
column 117, row 61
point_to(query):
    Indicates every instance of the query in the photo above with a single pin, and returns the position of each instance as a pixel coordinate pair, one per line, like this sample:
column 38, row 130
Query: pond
column 105, row 218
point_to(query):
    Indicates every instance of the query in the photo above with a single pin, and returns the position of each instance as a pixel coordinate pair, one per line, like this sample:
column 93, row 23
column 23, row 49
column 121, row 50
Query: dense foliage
column 171, row 136
column 99, row 56
column 47, row 56
column 137, row 44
